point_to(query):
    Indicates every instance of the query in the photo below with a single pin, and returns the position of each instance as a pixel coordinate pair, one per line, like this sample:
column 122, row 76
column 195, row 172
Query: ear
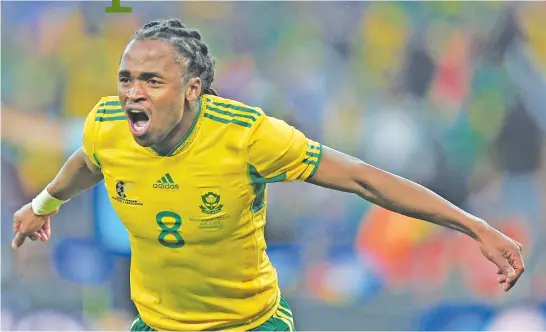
column 193, row 89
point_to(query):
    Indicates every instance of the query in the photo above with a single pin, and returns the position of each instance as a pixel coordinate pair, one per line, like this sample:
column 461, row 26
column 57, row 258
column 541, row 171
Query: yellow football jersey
column 196, row 216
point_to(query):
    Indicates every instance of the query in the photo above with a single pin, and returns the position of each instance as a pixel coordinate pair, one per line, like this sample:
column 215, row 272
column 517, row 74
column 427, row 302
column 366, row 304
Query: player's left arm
column 342, row 172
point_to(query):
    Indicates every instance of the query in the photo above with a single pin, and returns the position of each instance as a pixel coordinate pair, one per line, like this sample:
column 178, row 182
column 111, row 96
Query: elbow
column 366, row 180
column 361, row 176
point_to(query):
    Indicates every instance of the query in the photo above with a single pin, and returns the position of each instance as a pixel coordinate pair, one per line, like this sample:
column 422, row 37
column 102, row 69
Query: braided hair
column 187, row 43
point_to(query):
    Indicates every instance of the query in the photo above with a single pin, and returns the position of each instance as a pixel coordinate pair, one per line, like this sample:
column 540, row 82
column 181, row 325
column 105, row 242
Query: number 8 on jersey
column 167, row 233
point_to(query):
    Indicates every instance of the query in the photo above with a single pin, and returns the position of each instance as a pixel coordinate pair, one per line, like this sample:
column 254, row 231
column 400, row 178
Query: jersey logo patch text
column 122, row 189
column 166, row 182
column 211, row 201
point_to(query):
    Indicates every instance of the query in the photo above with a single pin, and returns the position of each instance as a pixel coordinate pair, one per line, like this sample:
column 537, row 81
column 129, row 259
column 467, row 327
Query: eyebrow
column 143, row 76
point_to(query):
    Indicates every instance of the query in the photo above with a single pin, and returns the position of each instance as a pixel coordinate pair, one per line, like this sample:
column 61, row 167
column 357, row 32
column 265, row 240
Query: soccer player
column 186, row 171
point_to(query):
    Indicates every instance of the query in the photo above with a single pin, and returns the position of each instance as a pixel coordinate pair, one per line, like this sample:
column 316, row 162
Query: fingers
column 510, row 269
column 43, row 235
column 505, row 272
column 27, row 224
column 501, row 278
column 18, row 240
column 506, row 276
column 505, row 269
column 516, row 262
column 505, row 253
column 47, row 229
column 509, row 278
column 39, row 235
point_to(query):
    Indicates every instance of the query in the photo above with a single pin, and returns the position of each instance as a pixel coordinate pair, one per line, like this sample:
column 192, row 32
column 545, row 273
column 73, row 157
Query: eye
column 154, row 82
column 124, row 80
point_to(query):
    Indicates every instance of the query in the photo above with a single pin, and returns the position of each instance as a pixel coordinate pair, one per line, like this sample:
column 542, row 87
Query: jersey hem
column 252, row 324
column 261, row 320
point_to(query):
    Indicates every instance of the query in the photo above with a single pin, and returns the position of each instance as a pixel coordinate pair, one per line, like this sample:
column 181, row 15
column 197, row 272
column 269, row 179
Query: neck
column 180, row 130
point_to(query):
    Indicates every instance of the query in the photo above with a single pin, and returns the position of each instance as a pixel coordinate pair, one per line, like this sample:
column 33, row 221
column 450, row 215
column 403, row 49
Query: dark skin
column 151, row 80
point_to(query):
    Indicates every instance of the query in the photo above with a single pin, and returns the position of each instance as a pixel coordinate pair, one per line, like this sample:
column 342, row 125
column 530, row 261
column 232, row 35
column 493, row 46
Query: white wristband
column 44, row 203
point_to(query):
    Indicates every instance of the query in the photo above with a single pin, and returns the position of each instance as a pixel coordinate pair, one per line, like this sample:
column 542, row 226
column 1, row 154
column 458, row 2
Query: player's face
column 151, row 91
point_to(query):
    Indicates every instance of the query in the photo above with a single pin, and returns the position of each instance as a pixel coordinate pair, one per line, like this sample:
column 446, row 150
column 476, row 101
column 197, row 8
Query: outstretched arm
column 345, row 173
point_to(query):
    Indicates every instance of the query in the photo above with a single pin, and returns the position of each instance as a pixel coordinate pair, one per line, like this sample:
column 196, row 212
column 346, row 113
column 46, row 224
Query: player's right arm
column 79, row 173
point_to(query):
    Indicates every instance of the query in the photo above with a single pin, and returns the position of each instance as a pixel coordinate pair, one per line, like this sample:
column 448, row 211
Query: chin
column 143, row 141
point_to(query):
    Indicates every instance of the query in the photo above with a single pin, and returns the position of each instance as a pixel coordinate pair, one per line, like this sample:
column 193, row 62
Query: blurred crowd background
column 448, row 94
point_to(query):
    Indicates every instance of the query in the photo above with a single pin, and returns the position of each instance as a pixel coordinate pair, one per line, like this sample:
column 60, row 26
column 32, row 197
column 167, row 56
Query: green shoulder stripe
column 105, row 111
column 227, row 121
column 235, row 107
column 112, row 118
column 217, row 110
column 110, row 103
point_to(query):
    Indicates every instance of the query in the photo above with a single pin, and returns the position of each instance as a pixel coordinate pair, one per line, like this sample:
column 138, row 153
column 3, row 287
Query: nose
column 136, row 92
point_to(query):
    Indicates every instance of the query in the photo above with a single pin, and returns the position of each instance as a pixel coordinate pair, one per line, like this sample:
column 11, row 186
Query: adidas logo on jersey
column 166, row 182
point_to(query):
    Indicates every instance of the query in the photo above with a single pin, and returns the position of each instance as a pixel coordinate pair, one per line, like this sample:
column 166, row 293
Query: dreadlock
column 187, row 43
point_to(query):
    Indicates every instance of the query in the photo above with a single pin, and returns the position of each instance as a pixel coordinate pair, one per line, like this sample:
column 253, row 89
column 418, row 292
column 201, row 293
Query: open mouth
column 139, row 121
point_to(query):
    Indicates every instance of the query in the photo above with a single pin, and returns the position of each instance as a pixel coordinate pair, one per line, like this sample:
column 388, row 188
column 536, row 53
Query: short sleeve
column 279, row 152
column 90, row 128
